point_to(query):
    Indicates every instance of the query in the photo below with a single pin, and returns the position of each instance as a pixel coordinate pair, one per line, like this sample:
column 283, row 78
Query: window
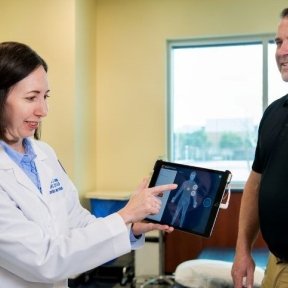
column 218, row 89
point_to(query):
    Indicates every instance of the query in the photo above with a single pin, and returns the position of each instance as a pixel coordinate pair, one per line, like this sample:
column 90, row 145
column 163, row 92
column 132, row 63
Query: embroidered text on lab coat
column 55, row 186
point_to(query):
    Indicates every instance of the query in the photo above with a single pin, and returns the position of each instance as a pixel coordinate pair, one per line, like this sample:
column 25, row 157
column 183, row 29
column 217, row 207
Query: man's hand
column 243, row 271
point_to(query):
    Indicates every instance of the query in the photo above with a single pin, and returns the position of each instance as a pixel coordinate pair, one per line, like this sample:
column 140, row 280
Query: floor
column 105, row 284
column 91, row 280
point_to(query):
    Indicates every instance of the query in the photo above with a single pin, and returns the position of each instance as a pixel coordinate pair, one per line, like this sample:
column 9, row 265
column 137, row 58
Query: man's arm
column 248, row 230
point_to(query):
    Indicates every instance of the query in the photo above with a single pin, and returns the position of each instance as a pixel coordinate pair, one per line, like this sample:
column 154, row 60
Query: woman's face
column 26, row 105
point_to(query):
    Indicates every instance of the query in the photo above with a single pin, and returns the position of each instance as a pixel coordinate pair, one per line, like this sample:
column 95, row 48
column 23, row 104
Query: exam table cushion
column 206, row 273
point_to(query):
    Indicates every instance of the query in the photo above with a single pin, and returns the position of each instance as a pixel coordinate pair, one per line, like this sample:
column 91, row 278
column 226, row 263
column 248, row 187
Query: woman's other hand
column 140, row 228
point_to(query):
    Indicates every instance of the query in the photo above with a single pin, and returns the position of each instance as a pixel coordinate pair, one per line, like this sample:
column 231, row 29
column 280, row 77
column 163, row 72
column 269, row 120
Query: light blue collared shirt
column 25, row 161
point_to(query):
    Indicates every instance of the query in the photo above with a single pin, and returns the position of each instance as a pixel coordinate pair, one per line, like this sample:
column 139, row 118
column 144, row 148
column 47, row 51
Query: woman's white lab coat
column 45, row 238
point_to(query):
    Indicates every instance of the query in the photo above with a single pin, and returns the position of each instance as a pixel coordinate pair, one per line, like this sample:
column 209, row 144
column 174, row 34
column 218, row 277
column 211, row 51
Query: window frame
column 264, row 39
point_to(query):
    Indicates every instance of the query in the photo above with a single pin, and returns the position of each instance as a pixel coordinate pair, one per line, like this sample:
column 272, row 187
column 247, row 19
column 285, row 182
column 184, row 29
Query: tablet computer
column 193, row 206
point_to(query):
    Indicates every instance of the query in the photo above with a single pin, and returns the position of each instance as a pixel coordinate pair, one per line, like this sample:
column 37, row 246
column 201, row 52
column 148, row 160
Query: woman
column 45, row 234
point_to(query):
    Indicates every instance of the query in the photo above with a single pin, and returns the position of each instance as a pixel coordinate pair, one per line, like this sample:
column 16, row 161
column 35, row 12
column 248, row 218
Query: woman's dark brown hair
column 17, row 61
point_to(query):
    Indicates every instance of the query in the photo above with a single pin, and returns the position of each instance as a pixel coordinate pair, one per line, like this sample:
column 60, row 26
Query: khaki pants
column 276, row 274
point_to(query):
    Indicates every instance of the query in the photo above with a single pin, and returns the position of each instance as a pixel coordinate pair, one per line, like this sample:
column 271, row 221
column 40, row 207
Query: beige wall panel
column 48, row 27
column 131, row 72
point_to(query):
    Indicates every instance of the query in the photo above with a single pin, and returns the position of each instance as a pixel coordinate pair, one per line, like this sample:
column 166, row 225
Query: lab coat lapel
column 7, row 163
column 22, row 178
column 45, row 174
column 44, row 171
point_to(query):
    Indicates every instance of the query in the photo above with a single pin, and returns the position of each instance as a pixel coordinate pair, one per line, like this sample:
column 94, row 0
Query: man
column 264, row 203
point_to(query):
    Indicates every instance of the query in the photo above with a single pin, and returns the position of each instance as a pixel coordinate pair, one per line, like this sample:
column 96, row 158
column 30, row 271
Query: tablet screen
column 194, row 205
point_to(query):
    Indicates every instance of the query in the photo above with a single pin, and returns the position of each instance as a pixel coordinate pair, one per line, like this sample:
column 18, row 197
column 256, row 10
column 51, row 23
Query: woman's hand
column 143, row 227
column 144, row 202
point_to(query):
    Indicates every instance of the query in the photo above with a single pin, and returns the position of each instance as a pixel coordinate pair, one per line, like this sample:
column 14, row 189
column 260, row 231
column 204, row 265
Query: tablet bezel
column 215, row 206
